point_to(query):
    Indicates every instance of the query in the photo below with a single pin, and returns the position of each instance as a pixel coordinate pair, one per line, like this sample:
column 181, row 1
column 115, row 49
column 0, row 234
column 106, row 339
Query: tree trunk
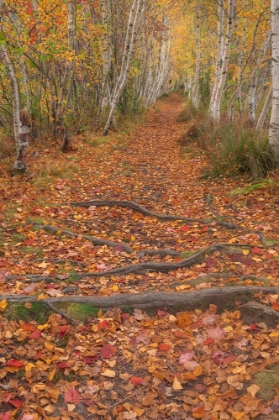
column 265, row 110
column 274, row 120
column 216, row 105
column 20, row 131
column 135, row 15
column 221, row 14
column 195, row 93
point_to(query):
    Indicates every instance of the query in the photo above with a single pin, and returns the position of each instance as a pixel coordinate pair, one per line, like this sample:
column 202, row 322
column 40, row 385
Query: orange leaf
column 136, row 381
column 275, row 305
column 164, row 347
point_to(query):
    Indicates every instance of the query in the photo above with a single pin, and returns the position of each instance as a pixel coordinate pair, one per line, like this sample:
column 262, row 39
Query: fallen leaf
column 72, row 396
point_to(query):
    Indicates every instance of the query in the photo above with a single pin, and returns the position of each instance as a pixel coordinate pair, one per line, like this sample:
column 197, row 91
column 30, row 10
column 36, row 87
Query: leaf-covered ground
column 131, row 214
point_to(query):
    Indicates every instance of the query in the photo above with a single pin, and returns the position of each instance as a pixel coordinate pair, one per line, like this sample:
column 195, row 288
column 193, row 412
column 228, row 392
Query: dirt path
column 141, row 235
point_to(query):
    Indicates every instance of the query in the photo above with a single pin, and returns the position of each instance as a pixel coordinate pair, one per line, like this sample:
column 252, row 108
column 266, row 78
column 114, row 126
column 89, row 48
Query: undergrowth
column 231, row 149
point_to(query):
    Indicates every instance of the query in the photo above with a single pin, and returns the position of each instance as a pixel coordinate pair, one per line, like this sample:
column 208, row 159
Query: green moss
column 267, row 381
column 32, row 250
column 37, row 312
column 79, row 311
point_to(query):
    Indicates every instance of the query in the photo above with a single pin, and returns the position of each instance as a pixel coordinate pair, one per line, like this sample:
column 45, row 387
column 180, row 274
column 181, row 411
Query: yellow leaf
column 28, row 367
column 49, row 346
column 51, row 374
column 41, row 297
column 176, row 385
column 43, row 265
column 28, row 305
column 253, row 389
column 133, row 238
column 232, row 240
column 197, row 371
column 100, row 313
column 3, row 305
column 108, row 373
column 246, row 251
column 42, row 327
column 237, row 415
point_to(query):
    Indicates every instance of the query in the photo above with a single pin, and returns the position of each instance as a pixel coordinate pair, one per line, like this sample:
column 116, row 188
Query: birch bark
column 20, row 131
column 195, row 92
column 216, row 104
column 135, row 15
column 221, row 18
column 274, row 119
column 265, row 110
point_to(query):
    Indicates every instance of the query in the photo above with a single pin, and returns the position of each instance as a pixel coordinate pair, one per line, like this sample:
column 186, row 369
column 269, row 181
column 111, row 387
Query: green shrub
column 241, row 150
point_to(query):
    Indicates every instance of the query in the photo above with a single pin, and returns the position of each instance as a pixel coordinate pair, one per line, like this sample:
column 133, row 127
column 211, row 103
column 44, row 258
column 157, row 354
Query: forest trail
column 130, row 227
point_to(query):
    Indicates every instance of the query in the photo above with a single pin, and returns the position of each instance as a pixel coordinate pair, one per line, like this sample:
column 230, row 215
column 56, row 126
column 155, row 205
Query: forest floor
column 131, row 287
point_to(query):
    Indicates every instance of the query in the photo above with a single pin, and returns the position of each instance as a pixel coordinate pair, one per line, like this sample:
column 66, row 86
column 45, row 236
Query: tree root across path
column 140, row 209
column 222, row 297
column 93, row 239
column 158, row 267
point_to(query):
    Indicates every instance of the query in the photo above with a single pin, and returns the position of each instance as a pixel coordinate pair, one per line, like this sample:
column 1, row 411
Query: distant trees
column 74, row 64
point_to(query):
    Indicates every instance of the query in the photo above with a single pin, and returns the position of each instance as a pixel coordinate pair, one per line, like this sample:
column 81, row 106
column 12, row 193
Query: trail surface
column 124, row 221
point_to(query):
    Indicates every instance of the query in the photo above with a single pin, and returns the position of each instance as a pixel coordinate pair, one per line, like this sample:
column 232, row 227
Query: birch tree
column 135, row 15
column 274, row 119
column 223, row 64
column 20, row 129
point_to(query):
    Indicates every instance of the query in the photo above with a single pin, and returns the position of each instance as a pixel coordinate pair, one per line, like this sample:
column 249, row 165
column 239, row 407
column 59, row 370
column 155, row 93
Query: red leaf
column 16, row 402
column 205, row 229
column 258, row 251
column 107, row 351
column 15, row 363
column 63, row 330
column 185, row 228
column 103, row 325
column 28, row 241
column 63, row 365
column 208, row 341
column 72, row 396
column 28, row 327
column 5, row 416
column 136, row 381
column 253, row 327
column 89, row 360
column 164, row 347
column 36, row 334
column 229, row 359
column 161, row 312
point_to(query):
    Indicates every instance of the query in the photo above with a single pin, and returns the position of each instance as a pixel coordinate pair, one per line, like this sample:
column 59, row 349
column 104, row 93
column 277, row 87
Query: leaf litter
column 123, row 365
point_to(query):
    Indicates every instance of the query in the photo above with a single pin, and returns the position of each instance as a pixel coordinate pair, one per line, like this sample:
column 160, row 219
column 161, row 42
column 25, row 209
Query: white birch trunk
column 265, row 110
column 106, row 52
column 20, row 131
column 216, row 105
column 135, row 16
column 195, row 92
column 274, row 119
column 221, row 16
column 252, row 93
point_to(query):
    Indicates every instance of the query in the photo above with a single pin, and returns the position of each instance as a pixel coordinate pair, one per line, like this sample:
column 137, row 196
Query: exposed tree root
column 158, row 267
column 51, row 306
column 140, row 209
column 94, row 240
column 223, row 297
